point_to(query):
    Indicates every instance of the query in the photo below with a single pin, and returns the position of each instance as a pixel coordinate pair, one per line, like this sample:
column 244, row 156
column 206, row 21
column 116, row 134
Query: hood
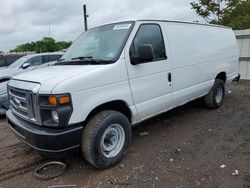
column 9, row 72
column 75, row 78
column 50, row 76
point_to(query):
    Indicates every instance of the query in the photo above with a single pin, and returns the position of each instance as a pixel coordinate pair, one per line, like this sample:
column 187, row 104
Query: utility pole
column 85, row 14
column 49, row 29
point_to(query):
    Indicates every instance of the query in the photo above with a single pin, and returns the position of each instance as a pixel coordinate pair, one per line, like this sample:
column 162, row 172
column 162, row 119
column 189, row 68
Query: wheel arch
column 116, row 105
column 222, row 76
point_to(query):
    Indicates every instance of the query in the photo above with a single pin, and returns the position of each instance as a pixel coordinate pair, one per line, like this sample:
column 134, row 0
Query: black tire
column 210, row 99
column 92, row 136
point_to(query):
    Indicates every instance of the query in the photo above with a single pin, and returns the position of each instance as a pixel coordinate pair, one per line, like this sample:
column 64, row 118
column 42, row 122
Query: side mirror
column 25, row 65
column 145, row 54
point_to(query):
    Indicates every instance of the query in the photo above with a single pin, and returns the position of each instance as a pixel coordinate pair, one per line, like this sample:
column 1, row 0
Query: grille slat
column 18, row 97
column 15, row 111
column 21, row 103
column 22, row 108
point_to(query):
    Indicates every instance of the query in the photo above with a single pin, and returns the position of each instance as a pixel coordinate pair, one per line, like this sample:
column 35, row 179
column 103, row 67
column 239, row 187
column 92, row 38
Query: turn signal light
column 62, row 100
column 52, row 100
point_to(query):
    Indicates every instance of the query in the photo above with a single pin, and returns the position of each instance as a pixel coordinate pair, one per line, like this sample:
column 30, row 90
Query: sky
column 23, row 21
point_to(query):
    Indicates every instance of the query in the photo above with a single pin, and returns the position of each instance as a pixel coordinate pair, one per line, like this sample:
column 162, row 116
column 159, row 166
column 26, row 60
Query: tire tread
column 209, row 98
column 89, row 134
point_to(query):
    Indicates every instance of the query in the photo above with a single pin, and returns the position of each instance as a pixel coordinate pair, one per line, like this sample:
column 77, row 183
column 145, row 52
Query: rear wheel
column 216, row 95
column 106, row 139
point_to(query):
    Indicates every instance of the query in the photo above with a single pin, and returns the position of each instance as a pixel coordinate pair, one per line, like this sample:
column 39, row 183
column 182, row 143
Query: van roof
column 183, row 22
column 172, row 21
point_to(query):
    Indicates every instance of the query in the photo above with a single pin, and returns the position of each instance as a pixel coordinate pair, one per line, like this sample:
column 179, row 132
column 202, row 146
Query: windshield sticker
column 122, row 26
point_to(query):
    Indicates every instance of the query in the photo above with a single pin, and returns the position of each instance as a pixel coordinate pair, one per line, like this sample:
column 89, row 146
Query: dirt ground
column 185, row 147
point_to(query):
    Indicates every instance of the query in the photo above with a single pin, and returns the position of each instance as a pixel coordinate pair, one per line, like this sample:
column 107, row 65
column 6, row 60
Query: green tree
column 47, row 44
column 238, row 18
column 214, row 11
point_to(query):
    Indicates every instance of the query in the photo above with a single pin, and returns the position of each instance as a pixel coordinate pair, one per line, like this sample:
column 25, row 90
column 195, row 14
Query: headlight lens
column 55, row 110
column 52, row 100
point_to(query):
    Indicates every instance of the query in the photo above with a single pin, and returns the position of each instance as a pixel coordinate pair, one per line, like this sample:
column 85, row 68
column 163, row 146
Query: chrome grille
column 24, row 102
column 21, row 103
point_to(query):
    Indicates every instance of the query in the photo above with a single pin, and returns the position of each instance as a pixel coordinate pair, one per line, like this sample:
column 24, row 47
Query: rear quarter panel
column 199, row 54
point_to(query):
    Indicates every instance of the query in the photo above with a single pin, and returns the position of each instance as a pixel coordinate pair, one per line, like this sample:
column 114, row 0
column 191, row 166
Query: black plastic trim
column 244, row 58
column 45, row 139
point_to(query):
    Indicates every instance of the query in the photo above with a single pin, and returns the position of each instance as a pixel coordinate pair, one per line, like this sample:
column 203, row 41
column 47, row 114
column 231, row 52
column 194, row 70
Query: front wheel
column 216, row 95
column 106, row 139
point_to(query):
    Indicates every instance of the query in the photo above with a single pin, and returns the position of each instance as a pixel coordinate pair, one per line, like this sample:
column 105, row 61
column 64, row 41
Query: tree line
column 47, row 44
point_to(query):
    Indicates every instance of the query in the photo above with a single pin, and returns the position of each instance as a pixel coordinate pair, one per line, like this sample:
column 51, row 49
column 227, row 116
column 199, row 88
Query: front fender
column 87, row 100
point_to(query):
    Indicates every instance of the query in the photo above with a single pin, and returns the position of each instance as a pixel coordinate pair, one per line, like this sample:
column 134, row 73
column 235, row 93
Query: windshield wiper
column 83, row 57
column 60, row 60
column 88, row 58
column 83, row 60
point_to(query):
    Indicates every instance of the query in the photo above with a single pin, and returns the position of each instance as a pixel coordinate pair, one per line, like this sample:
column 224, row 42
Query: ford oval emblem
column 17, row 102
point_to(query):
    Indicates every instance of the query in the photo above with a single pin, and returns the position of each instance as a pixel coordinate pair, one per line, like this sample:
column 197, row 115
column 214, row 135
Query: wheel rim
column 112, row 140
column 219, row 95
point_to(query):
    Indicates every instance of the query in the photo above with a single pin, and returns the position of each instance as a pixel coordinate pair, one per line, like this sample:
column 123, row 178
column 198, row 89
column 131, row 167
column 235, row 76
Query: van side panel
column 199, row 54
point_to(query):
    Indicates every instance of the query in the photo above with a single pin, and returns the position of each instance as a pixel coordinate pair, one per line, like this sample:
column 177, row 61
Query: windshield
column 103, row 43
column 19, row 62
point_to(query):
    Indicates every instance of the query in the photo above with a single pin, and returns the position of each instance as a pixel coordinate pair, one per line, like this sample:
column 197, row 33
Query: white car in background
column 23, row 64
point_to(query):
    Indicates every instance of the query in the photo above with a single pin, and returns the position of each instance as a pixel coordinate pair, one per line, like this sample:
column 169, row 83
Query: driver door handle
column 169, row 77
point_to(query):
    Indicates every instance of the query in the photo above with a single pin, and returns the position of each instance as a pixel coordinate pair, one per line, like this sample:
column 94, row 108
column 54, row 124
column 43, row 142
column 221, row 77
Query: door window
column 2, row 63
column 53, row 57
column 35, row 61
column 149, row 34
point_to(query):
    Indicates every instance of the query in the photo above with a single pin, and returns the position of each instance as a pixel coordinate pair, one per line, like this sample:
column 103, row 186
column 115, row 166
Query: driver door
column 150, row 82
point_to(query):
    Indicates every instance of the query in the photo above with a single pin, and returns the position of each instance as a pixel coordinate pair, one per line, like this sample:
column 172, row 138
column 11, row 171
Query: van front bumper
column 47, row 141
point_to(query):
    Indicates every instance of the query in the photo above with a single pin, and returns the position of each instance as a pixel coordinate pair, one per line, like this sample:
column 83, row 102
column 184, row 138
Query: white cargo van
column 115, row 76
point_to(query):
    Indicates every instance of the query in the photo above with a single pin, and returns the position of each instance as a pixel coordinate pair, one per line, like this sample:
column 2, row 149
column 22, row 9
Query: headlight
column 55, row 116
column 55, row 110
